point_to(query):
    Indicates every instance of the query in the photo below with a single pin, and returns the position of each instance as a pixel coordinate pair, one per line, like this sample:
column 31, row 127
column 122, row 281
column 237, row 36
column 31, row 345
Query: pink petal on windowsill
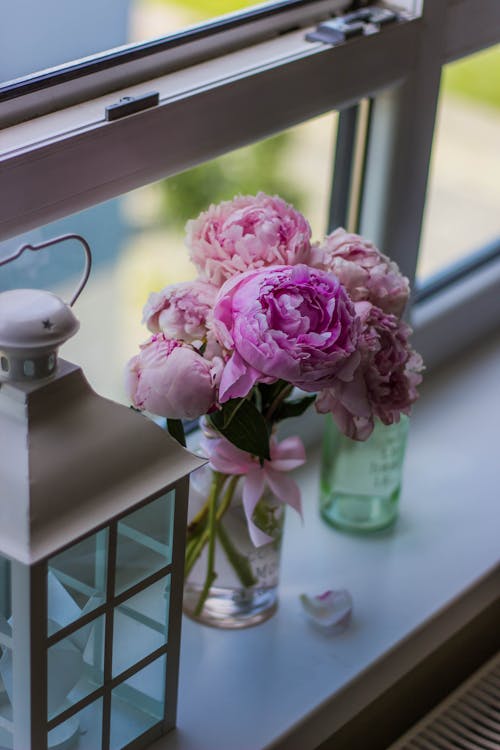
column 330, row 610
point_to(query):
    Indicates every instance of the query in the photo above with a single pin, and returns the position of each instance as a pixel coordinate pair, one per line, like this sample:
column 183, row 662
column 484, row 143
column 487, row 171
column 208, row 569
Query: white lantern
column 92, row 527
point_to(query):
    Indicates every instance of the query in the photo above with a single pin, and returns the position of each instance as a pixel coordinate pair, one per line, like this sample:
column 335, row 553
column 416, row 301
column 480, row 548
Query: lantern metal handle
column 56, row 240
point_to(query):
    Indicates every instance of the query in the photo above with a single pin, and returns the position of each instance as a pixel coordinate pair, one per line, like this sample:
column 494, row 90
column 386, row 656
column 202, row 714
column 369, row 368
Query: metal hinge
column 361, row 22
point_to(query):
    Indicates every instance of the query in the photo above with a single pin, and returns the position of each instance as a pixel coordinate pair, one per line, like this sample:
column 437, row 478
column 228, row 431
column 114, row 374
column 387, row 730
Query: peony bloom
column 248, row 232
column 385, row 383
column 294, row 323
column 171, row 379
column 181, row 311
column 366, row 273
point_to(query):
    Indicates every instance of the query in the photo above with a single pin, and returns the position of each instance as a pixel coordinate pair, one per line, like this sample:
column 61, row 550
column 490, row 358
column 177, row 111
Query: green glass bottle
column 361, row 481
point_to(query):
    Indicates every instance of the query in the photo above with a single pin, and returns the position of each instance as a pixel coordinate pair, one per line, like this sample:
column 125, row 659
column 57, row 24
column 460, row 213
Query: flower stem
column 198, row 522
column 197, row 529
column 239, row 562
column 212, row 530
column 195, row 546
column 282, row 395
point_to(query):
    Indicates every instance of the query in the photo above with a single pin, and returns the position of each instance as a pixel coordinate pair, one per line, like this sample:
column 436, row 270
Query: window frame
column 107, row 159
column 186, row 46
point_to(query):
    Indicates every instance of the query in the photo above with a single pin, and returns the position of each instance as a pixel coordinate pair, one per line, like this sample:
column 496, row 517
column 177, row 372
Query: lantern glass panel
column 144, row 543
column 141, row 625
column 5, row 694
column 5, row 599
column 138, row 704
column 75, row 667
column 5, row 651
column 6, row 738
column 76, row 581
column 83, row 731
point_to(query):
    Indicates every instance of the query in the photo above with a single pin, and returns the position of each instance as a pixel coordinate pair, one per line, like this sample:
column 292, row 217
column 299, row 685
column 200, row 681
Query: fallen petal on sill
column 331, row 610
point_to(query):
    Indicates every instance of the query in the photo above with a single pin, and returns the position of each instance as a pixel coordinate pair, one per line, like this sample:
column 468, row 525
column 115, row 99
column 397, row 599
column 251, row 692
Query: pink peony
column 248, row 232
column 366, row 273
column 385, row 383
column 181, row 311
column 171, row 379
column 293, row 323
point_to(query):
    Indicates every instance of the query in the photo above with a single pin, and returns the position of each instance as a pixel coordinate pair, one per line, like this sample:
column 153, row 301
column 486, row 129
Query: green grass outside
column 476, row 78
column 203, row 9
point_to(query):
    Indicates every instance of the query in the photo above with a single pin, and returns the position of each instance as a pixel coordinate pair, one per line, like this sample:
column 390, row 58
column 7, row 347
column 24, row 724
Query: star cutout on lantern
column 48, row 324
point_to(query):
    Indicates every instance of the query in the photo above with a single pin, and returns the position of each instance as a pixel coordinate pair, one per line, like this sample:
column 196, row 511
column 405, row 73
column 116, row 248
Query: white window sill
column 284, row 685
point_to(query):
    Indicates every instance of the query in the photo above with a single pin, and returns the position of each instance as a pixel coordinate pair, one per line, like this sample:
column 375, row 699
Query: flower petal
column 284, row 488
column 237, row 379
column 287, row 455
column 253, row 487
column 332, row 609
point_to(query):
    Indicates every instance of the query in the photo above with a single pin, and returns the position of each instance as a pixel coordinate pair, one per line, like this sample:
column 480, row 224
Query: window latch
column 128, row 105
column 358, row 23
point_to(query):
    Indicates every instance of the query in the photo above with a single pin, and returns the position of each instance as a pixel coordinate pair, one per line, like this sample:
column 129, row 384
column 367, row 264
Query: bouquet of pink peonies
column 270, row 313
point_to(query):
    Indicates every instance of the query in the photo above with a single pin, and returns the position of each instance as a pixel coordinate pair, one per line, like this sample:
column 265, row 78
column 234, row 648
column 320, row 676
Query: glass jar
column 244, row 591
column 361, row 481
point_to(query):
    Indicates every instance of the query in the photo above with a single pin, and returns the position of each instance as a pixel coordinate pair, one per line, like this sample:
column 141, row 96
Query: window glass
column 60, row 33
column 83, row 731
column 5, row 599
column 138, row 704
column 6, row 738
column 75, row 667
column 144, row 543
column 463, row 202
column 76, row 581
column 140, row 625
column 138, row 241
column 6, row 694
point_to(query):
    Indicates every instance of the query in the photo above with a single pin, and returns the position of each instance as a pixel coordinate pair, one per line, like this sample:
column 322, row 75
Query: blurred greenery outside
column 200, row 10
column 263, row 165
column 246, row 171
column 475, row 78
column 260, row 167
column 294, row 164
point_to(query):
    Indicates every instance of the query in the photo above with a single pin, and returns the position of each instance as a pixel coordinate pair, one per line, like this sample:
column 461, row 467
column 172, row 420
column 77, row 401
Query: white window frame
column 70, row 159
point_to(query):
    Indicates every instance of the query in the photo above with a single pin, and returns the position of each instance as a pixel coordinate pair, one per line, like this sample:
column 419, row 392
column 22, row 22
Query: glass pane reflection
column 6, row 739
column 140, row 625
column 76, row 581
column 75, row 667
column 83, row 731
column 6, row 688
column 138, row 704
column 5, row 599
column 144, row 543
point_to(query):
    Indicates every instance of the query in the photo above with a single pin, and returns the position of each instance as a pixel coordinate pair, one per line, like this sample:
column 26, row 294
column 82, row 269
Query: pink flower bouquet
column 269, row 313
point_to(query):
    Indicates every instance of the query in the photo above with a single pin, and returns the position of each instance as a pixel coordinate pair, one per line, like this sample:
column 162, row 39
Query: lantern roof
column 71, row 460
column 33, row 319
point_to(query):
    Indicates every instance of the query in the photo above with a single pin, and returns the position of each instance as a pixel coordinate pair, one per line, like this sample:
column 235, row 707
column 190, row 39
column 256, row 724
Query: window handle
column 359, row 23
column 129, row 105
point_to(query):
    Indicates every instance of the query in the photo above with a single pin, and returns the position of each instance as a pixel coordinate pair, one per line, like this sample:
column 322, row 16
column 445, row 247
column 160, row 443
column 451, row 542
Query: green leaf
column 229, row 411
column 240, row 422
column 293, row 408
column 270, row 392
